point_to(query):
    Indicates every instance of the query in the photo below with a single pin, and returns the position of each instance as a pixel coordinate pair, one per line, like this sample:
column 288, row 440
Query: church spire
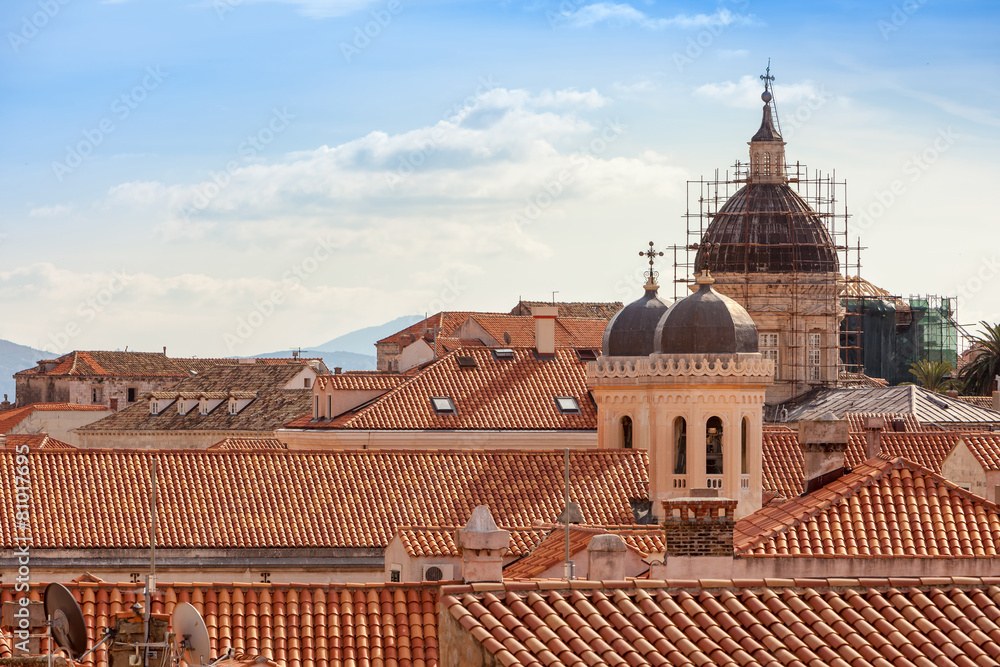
column 767, row 148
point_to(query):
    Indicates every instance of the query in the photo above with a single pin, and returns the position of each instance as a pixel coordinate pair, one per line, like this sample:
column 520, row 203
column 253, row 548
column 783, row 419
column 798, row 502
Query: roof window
column 466, row 362
column 503, row 353
column 587, row 354
column 443, row 405
column 567, row 405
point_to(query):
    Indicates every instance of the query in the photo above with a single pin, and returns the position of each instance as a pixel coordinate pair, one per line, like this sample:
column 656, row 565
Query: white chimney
column 545, row 328
column 606, row 558
column 482, row 546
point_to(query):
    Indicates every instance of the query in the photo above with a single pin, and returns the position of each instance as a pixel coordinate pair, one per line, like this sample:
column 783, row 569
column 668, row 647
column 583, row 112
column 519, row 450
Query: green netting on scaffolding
column 936, row 329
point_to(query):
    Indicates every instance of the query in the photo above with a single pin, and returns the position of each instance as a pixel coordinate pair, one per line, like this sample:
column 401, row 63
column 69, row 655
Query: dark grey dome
column 766, row 228
column 706, row 322
column 630, row 331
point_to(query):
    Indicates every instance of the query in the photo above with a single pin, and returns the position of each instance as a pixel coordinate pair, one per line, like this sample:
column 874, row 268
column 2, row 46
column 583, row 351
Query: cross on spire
column 651, row 274
column 766, row 77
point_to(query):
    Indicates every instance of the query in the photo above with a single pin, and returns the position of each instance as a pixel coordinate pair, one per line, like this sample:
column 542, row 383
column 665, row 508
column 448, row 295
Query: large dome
column 766, row 228
column 707, row 323
column 630, row 331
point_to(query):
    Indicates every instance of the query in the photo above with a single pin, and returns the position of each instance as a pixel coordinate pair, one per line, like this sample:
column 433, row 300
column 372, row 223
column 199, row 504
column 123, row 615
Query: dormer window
column 443, row 405
column 154, row 407
column 232, row 407
column 307, row 382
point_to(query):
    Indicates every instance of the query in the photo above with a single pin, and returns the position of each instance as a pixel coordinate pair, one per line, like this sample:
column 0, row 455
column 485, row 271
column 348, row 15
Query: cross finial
column 651, row 274
column 766, row 77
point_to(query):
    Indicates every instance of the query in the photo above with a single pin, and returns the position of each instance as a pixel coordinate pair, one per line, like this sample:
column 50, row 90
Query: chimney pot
column 337, row 370
column 824, row 442
column 873, row 436
column 482, row 546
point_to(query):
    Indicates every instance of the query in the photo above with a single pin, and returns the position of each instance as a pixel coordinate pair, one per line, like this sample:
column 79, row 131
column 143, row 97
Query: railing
column 713, row 481
column 744, row 481
column 680, row 482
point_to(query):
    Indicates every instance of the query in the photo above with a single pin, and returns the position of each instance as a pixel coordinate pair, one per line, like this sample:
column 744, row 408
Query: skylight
column 466, row 362
column 503, row 353
column 587, row 354
column 443, row 405
column 567, row 405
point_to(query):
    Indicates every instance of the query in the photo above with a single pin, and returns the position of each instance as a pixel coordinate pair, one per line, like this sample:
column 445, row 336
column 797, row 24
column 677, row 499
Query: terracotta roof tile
column 423, row 542
column 985, row 447
column 33, row 441
column 596, row 309
column 884, row 508
column 496, row 394
column 361, row 380
column 268, row 499
column 363, row 631
column 831, row 623
column 552, row 550
column 569, row 332
column 252, row 444
column 444, row 323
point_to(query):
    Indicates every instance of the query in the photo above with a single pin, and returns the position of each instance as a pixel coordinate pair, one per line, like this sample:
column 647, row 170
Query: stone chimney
column 6, row 405
column 606, row 558
column 996, row 400
column 824, row 442
column 545, row 328
column 699, row 526
column 482, row 546
column 873, row 436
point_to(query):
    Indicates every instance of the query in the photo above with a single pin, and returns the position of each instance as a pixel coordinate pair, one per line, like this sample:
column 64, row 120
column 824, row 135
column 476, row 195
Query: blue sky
column 231, row 177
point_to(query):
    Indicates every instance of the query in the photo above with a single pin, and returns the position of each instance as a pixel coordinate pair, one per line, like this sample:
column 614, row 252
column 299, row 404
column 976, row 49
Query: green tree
column 932, row 375
column 979, row 375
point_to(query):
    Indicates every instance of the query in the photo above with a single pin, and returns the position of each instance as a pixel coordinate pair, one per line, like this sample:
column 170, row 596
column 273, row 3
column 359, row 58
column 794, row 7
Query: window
column 315, row 407
column 130, row 394
column 329, row 406
column 503, row 353
column 395, row 576
column 204, row 407
column 814, row 357
column 767, row 343
column 713, row 446
column 567, row 405
column 232, row 407
column 626, row 432
column 743, row 447
column 466, row 362
column 96, row 394
column 767, row 164
column 587, row 355
column 443, row 405
column 306, row 382
column 680, row 446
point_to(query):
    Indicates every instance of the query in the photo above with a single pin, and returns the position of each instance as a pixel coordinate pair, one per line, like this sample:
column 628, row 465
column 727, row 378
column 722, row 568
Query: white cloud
column 615, row 13
column 49, row 211
column 745, row 94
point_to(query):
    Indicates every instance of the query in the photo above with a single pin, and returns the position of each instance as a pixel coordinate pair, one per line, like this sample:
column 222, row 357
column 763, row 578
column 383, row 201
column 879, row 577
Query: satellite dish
column 189, row 628
column 66, row 620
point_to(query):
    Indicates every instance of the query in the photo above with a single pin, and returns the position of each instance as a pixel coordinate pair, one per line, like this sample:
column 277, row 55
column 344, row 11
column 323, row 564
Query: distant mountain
column 349, row 361
column 363, row 341
column 14, row 358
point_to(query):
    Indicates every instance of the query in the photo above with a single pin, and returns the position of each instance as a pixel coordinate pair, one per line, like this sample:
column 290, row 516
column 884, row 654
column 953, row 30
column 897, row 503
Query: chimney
column 824, row 442
column 164, row 350
column 996, row 400
column 699, row 526
column 337, row 370
column 606, row 558
column 873, row 436
column 482, row 546
column 545, row 329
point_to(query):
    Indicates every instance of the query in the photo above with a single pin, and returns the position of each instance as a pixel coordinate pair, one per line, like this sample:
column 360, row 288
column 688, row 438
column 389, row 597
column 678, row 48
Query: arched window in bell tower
column 713, row 446
column 626, row 425
column 743, row 447
column 767, row 164
column 756, row 163
column 680, row 446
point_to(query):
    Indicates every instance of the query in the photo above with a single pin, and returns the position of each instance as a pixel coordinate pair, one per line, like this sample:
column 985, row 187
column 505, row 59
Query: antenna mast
column 151, row 577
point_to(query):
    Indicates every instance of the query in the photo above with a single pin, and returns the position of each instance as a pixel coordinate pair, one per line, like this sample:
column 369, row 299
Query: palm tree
column 979, row 375
column 932, row 375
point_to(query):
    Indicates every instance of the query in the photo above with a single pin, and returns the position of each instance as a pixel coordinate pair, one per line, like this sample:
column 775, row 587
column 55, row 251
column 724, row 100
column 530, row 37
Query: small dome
column 630, row 332
column 706, row 322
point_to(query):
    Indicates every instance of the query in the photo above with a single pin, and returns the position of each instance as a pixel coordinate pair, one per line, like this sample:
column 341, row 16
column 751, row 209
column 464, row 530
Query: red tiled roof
column 239, row 499
column 498, row 394
column 251, row 444
column 569, row 332
column 11, row 418
column 444, row 323
column 426, row 542
column 782, row 455
column 552, row 550
column 34, row 441
column 978, row 401
column 103, row 363
column 597, row 309
column 985, row 447
column 935, row 622
column 360, row 380
column 883, row 508
column 298, row 625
